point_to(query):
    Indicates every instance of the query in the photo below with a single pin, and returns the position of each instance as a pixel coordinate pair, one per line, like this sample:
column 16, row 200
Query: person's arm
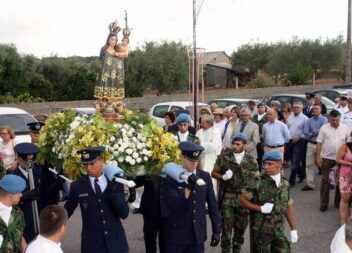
column 245, row 203
column 71, row 202
column 23, row 244
column 118, row 202
column 256, row 138
column 307, row 134
column 290, row 217
column 286, row 133
column 318, row 160
column 216, row 172
column 340, row 156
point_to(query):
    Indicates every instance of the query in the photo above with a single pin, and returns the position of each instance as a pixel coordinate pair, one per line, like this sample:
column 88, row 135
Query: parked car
column 332, row 94
column 239, row 102
column 17, row 119
column 158, row 111
column 343, row 86
column 292, row 98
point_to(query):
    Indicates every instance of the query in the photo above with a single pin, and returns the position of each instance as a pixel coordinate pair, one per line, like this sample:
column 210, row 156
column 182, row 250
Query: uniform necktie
column 243, row 125
column 97, row 188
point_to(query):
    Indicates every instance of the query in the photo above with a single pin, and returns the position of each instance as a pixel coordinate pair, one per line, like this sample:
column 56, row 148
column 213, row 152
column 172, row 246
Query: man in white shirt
column 210, row 140
column 342, row 242
column 183, row 134
column 219, row 120
column 343, row 108
column 53, row 222
column 346, row 118
column 330, row 138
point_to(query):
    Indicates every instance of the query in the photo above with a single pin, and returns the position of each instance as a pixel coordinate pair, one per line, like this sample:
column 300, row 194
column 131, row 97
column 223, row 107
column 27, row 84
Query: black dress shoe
column 323, row 208
column 136, row 211
column 307, row 188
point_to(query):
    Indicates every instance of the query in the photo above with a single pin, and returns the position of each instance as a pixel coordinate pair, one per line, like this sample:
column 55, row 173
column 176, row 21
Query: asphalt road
column 315, row 229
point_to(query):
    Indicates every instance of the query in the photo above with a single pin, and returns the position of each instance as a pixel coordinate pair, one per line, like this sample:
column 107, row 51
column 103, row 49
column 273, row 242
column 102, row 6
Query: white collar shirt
column 239, row 157
column 5, row 213
column 346, row 119
column 183, row 136
column 43, row 245
column 332, row 139
column 102, row 181
column 24, row 172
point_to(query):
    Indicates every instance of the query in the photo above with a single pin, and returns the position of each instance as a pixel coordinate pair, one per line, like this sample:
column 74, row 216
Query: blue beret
column 182, row 118
column 239, row 137
column 190, row 150
column 35, row 126
column 26, row 151
column 12, row 184
column 89, row 155
column 260, row 104
column 272, row 155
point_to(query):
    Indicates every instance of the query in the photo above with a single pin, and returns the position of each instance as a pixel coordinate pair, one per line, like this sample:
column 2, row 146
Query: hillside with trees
column 163, row 67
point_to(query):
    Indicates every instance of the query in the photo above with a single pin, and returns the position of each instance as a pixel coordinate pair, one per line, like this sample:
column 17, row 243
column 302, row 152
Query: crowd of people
column 234, row 166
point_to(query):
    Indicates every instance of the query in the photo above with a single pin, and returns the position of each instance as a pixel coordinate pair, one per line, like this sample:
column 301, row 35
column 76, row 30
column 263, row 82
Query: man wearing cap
column 343, row 108
column 268, row 196
column 346, row 118
column 260, row 119
column 47, row 177
column 233, row 170
column 186, row 223
column 34, row 129
column 12, row 220
column 174, row 128
column 250, row 129
column 26, row 157
column 310, row 102
column 219, row 121
column 182, row 122
column 102, row 205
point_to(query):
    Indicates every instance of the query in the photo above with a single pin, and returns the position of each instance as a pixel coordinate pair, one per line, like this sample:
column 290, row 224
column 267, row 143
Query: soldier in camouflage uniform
column 269, row 197
column 183, row 134
column 233, row 169
column 11, row 218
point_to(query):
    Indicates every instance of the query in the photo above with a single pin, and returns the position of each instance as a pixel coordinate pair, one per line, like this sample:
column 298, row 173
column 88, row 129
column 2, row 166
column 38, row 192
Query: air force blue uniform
column 102, row 230
column 186, row 229
column 154, row 211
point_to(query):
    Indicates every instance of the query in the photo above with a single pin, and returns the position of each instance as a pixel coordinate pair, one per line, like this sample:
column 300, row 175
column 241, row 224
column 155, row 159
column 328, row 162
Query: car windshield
column 328, row 103
column 18, row 122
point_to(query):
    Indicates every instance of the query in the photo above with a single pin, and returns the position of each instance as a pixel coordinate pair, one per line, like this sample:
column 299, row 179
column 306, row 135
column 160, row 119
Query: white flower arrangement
column 128, row 147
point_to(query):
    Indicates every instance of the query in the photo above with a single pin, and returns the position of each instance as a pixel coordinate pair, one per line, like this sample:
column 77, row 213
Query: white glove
column 267, row 208
column 228, row 174
column 294, row 236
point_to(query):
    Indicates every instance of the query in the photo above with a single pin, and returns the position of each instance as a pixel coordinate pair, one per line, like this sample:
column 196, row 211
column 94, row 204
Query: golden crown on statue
column 114, row 27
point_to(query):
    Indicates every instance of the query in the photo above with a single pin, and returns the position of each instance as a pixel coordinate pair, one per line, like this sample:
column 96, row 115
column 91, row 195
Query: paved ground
column 315, row 229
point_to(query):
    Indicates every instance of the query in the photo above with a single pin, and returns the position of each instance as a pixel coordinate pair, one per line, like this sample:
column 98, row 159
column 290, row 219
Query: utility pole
column 348, row 46
column 194, row 65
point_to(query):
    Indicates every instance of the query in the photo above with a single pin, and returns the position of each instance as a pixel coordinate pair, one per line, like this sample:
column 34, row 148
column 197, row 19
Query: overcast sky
column 79, row 27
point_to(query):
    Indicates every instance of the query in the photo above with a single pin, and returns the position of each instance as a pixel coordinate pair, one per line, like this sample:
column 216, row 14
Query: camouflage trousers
column 234, row 221
column 271, row 242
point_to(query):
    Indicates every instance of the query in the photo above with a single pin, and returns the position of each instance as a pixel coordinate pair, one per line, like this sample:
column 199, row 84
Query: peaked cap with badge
column 190, row 150
column 27, row 152
column 35, row 126
column 91, row 154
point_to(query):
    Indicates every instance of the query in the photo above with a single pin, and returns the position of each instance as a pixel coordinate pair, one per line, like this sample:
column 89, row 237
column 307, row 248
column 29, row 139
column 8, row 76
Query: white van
column 17, row 119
